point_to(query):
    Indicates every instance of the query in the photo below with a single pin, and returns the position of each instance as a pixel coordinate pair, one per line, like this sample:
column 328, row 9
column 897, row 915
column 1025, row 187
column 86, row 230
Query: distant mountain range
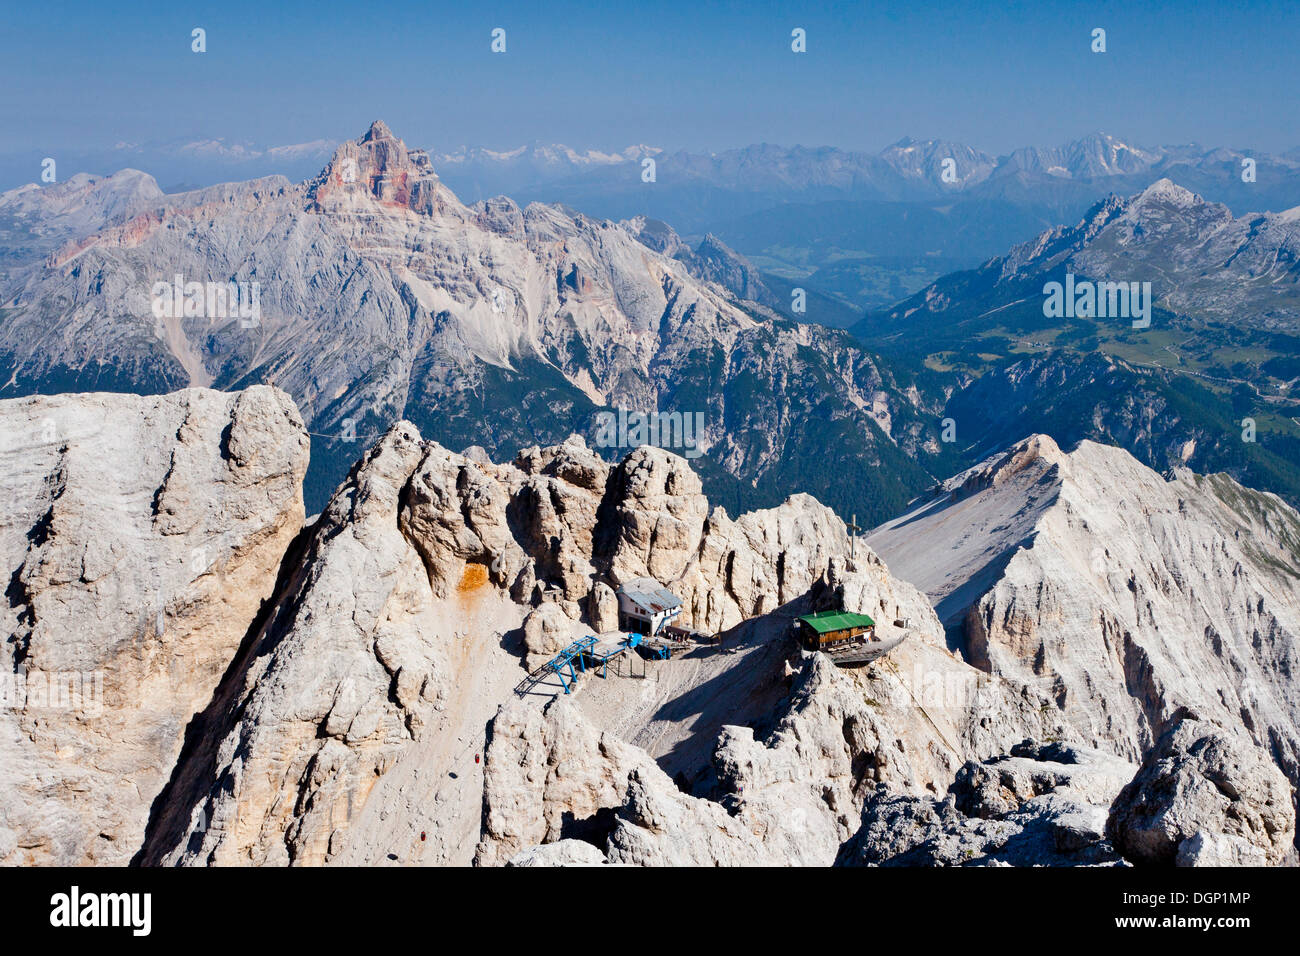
column 857, row 229
column 866, row 229
column 909, row 170
column 382, row 295
column 881, row 175
column 1212, row 382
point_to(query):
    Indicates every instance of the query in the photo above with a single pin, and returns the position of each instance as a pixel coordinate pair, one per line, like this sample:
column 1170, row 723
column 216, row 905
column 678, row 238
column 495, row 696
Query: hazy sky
column 679, row 75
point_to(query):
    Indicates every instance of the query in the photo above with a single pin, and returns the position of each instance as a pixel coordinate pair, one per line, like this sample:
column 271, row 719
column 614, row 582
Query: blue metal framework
column 563, row 661
column 629, row 641
column 562, row 664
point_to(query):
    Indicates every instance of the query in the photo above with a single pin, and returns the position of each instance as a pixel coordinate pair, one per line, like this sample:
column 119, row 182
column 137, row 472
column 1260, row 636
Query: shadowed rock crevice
column 176, row 803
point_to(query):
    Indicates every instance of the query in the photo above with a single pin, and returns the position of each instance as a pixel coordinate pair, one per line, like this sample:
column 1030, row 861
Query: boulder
column 602, row 608
column 560, row 853
column 1041, row 804
column 996, row 787
column 1218, row 849
column 547, row 631
column 1210, row 788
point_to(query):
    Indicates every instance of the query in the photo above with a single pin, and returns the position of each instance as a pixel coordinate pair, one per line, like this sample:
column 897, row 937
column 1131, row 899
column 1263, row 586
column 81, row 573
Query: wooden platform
column 855, row 655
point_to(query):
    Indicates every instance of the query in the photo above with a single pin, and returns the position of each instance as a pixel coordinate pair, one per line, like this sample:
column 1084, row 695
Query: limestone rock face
column 791, row 796
column 1205, row 796
column 343, row 675
column 1218, row 849
column 140, row 537
column 369, row 688
column 1042, row 804
column 900, row 830
column 556, row 521
column 657, row 512
column 571, row 461
column 455, row 513
column 1120, row 595
column 559, row 518
column 758, row 562
column 555, row 510
column 526, row 524
column 549, row 774
column 552, row 770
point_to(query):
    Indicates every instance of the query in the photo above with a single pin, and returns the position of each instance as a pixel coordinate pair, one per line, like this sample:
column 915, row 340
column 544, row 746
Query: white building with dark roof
column 645, row 606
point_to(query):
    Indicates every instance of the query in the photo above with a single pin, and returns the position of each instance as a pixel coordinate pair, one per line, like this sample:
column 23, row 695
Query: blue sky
column 679, row 75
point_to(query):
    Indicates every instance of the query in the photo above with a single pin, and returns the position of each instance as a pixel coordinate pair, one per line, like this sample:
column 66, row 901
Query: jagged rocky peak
column 379, row 131
column 711, row 260
column 1200, row 258
column 915, row 158
column 1056, row 245
column 572, row 460
column 1039, row 452
column 1165, row 190
column 1122, row 595
column 380, row 166
column 656, row 234
column 501, row 215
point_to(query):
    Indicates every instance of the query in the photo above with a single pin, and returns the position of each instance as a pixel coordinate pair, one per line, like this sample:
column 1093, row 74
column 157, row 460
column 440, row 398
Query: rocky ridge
column 1123, row 596
column 345, row 693
column 417, row 539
